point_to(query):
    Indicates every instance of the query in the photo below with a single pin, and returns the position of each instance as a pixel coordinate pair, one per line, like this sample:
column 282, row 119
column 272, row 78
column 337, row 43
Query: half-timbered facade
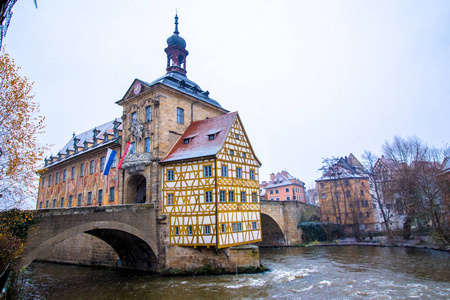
column 210, row 185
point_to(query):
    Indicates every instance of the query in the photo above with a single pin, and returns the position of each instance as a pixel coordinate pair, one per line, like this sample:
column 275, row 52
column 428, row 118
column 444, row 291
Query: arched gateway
column 136, row 189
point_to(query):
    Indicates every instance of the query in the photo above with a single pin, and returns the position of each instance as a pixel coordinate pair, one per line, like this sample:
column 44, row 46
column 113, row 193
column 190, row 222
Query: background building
column 283, row 187
column 344, row 195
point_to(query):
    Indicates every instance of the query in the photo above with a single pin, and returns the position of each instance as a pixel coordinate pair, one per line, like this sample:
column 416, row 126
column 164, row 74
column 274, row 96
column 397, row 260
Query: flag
column 125, row 153
column 110, row 155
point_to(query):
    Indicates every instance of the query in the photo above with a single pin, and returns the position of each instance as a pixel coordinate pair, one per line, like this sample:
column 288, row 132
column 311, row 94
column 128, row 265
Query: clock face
column 137, row 88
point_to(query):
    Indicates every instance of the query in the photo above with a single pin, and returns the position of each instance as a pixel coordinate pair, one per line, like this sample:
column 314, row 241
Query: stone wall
column 226, row 258
column 82, row 249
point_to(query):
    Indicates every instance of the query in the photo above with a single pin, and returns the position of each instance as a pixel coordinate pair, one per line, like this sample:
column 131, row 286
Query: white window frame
column 207, row 171
column 208, row 197
column 238, row 173
column 224, row 171
column 223, row 196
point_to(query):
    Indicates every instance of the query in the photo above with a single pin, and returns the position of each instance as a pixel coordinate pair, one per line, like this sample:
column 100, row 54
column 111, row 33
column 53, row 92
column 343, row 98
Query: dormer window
column 188, row 139
column 212, row 134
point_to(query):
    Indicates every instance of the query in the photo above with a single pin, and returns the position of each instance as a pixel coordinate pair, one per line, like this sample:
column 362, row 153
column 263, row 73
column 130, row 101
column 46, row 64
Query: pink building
column 283, row 187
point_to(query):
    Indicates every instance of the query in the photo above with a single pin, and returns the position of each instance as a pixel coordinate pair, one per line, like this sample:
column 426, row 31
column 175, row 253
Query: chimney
column 272, row 176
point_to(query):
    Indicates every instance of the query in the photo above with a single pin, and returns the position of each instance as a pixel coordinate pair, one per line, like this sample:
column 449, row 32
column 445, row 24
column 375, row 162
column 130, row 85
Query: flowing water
column 348, row 272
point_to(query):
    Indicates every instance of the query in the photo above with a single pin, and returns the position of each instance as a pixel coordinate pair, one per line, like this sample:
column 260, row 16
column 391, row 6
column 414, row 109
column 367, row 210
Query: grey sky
column 310, row 79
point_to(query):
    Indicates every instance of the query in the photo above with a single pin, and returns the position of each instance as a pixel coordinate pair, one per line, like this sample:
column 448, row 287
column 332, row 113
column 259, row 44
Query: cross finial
column 176, row 24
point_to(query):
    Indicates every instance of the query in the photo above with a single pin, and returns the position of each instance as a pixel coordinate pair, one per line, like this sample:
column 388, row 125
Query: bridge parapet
column 83, row 210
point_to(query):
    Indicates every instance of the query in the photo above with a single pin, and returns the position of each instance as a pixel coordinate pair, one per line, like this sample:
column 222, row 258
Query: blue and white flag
column 110, row 155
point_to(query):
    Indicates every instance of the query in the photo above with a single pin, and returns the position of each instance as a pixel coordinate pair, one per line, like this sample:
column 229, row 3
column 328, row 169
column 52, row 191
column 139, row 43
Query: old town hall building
column 186, row 154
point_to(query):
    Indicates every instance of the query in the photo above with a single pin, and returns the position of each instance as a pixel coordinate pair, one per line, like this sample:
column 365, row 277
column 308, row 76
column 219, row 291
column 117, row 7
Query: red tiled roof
column 199, row 144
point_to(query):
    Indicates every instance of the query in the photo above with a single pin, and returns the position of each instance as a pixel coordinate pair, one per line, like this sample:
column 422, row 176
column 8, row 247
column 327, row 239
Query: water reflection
column 296, row 273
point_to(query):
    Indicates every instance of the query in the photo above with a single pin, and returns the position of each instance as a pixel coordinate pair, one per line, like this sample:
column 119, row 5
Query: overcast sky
column 310, row 79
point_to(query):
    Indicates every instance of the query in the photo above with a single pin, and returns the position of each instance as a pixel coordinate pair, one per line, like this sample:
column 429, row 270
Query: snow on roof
column 338, row 172
column 282, row 179
column 200, row 145
column 89, row 135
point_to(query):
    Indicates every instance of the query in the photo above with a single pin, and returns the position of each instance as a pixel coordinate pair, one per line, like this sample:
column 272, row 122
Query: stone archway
column 136, row 189
column 272, row 235
column 133, row 246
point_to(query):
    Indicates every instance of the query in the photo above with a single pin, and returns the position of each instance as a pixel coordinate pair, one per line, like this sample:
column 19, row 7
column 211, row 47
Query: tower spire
column 176, row 24
column 176, row 51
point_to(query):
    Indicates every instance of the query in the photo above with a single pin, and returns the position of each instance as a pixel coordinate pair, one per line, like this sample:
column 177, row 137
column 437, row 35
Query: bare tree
column 378, row 181
column 418, row 185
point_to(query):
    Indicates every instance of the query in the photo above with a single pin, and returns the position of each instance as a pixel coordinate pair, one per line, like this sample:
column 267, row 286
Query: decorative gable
column 237, row 147
column 136, row 88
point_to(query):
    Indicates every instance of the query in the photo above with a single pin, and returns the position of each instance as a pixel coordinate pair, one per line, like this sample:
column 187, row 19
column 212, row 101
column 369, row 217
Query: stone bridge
column 129, row 229
column 279, row 221
column 134, row 232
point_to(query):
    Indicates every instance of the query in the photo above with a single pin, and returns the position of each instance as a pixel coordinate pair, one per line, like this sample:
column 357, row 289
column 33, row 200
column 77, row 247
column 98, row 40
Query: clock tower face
column 137, row 88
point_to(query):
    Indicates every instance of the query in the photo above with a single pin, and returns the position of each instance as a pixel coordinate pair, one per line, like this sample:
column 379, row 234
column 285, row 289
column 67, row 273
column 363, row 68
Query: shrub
column 316, row 231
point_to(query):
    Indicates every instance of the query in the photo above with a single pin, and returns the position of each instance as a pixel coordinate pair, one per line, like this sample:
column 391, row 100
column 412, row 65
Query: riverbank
column 420, row 242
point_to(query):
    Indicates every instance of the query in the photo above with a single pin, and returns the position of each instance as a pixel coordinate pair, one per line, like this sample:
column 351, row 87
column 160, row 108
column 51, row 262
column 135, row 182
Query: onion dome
column 176, row 39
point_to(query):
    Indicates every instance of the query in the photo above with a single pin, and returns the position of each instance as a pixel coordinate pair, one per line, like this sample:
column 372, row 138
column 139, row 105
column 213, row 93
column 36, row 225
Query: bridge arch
column 134, row 247
column 272, row 234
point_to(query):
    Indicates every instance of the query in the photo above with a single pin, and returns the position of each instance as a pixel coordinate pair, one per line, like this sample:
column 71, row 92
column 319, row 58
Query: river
column 346, row 272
